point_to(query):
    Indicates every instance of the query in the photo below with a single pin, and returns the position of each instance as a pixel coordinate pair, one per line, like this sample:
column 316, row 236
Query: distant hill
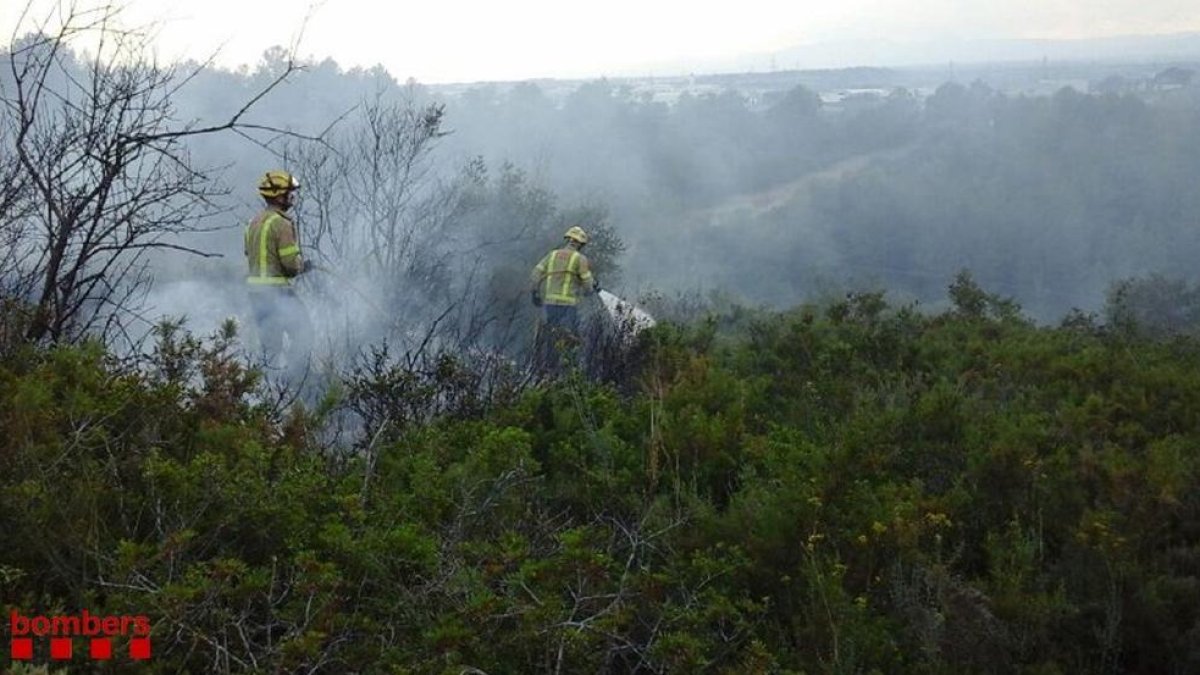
column 1011, row 65
column 895, row 53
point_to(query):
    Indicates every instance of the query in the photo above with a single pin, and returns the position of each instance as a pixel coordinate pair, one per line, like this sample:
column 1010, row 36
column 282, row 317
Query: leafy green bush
column 840, row 488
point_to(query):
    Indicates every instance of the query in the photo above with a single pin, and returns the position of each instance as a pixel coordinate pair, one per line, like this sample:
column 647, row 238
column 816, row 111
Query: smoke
column 774, row 188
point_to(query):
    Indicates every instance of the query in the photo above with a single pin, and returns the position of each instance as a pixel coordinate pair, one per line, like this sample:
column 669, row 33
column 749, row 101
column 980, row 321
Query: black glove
column 535, row 298
column 596, row 286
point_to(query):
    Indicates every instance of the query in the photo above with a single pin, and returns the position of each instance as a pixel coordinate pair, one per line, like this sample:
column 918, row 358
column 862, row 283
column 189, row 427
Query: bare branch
column 95, row 148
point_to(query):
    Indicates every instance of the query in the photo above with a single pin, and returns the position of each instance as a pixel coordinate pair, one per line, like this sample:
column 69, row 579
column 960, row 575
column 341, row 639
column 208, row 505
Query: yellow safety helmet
column 576, row 234
column 277, row 183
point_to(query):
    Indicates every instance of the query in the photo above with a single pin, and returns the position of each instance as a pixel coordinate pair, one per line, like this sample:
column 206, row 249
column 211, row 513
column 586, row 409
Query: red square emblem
column 60, row 649
column 21, row 649
column 100, row 649
column 139, row 649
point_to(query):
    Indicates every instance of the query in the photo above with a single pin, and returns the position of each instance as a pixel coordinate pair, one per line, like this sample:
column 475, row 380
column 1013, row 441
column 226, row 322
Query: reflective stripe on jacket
column 272, row 254
column 562, row 276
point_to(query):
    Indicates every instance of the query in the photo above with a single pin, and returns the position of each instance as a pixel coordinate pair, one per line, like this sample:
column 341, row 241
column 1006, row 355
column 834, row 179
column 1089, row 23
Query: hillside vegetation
column 846, row 488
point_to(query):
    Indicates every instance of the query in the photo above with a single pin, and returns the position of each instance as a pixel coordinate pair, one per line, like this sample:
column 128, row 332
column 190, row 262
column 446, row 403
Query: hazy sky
column 461, row 40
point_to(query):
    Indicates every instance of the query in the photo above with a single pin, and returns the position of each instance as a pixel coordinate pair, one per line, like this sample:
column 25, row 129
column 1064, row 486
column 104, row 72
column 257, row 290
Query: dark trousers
column 278, row 312
column 563, row 318
column 558, row 336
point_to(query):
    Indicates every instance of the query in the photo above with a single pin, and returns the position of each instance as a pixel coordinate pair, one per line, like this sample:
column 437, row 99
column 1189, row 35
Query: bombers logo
column 62, row 631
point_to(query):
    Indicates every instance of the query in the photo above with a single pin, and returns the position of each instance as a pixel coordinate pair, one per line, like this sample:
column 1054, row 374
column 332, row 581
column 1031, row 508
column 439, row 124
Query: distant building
column 1116, row 84
column 1173, row 78
column 1051, row 86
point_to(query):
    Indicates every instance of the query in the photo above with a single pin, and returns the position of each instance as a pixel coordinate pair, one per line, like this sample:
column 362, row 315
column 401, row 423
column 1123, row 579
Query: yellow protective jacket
column 562, row 277
column 272, row 254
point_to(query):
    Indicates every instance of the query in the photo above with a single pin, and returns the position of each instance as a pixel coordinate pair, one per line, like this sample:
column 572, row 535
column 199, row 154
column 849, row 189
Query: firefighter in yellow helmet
column 274, row 260
column 562, row 277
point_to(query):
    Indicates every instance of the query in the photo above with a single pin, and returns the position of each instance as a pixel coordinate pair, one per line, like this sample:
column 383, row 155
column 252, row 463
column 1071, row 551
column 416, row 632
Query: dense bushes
column 835, row 489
